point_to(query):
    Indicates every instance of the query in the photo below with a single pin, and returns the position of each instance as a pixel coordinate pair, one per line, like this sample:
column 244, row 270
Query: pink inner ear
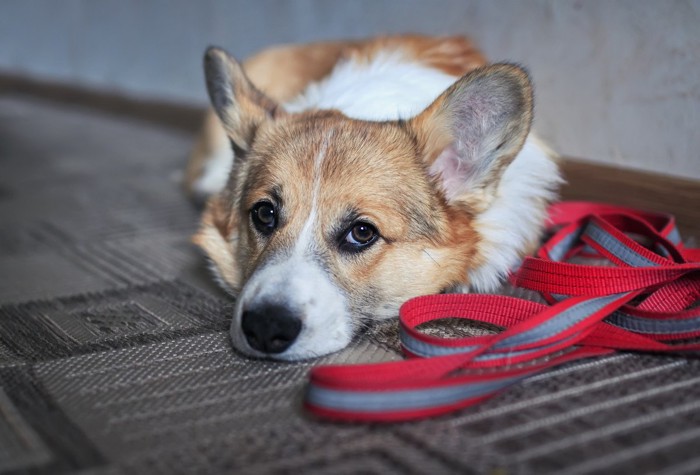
column 453, row 170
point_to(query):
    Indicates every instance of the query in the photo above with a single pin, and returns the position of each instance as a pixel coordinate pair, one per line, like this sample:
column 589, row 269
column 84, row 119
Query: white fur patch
column 305, row 239
column 388, row 87
column 216, row 171
column 516, row 215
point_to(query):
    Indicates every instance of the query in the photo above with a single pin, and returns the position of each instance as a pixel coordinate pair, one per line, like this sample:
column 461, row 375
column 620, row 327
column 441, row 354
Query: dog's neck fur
column 388, row 87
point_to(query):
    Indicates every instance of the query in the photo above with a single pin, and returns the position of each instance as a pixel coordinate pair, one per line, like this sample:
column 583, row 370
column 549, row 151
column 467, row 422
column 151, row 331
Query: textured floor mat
column 114, row 354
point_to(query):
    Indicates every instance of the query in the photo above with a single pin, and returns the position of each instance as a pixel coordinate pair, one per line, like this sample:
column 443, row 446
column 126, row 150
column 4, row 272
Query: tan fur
column 216, row 239
column 455, row 55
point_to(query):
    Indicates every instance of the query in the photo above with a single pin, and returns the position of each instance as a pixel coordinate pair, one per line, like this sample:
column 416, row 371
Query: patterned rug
column 114, row 355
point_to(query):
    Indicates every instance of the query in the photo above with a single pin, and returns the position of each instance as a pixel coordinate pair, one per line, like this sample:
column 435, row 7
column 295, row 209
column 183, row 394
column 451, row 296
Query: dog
column 344, row 178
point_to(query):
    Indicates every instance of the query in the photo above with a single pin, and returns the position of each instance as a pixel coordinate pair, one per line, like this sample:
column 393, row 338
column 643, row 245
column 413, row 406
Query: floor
column 114, row 356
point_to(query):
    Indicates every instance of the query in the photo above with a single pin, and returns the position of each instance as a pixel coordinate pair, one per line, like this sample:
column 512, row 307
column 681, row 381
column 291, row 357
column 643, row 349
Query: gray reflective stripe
column 589, row 249
column 560, row 249
column 506, row 355
column 427, row 350
column 647, row 325
column 422, row 348
column 560, row 322
column 616, row 248
column 378, row 401
column 674, row 236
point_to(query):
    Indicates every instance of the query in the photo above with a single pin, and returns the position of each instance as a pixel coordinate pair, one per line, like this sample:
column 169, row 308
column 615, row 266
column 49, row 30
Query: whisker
column 431, row 257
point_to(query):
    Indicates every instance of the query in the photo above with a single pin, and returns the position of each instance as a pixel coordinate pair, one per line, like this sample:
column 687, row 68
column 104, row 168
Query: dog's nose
column 270, row 328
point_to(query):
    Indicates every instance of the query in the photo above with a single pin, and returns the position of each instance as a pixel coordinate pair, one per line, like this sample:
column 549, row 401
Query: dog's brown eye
column 359, row 237
column 264, row 217
column 362, row 233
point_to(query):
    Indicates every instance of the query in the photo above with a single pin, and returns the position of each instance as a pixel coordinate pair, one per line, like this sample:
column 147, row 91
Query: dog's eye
column 359, row 237
column 264, row 217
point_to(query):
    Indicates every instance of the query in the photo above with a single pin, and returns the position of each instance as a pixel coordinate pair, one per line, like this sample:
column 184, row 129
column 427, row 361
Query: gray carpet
column 114, row 356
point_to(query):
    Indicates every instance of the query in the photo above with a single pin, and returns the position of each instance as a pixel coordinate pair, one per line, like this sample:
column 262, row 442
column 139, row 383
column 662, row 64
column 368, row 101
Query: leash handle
column 642, row 302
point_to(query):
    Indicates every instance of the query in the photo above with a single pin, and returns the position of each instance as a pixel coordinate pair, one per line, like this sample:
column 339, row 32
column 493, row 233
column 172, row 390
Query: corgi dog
column 344, row 178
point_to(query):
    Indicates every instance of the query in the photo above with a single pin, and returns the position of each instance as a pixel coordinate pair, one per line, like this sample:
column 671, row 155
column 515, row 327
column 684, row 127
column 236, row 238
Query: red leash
column 643, row 302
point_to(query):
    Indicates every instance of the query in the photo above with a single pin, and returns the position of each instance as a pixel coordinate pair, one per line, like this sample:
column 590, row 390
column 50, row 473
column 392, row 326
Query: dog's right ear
column 474, row 130
column 241, row 107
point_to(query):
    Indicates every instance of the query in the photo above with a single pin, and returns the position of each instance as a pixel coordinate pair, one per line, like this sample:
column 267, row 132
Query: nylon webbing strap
column 645, row 301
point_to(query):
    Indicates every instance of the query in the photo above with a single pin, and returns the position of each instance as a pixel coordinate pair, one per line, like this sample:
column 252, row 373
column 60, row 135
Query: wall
column 617, row 82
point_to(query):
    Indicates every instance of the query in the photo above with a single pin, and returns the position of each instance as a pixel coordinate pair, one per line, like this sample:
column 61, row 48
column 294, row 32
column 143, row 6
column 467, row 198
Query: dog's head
column 329, row 222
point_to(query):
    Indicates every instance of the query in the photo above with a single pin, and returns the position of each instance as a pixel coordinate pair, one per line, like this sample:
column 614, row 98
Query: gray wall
column 617, row 81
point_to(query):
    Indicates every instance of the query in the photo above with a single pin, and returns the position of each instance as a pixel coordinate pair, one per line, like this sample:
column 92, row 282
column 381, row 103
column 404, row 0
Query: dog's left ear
column 471, row 132
column 241, row 107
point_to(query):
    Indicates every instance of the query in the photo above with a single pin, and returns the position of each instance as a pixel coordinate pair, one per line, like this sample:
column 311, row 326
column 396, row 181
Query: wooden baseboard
column 655, row 192
column 586, row 180
column 183, row 117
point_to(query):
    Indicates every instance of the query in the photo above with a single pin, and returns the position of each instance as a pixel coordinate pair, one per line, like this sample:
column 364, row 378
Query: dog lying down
column 344, row 178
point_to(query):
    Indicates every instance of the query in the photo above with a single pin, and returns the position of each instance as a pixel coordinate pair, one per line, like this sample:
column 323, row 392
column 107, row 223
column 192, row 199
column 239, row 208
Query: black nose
column 270, row 328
